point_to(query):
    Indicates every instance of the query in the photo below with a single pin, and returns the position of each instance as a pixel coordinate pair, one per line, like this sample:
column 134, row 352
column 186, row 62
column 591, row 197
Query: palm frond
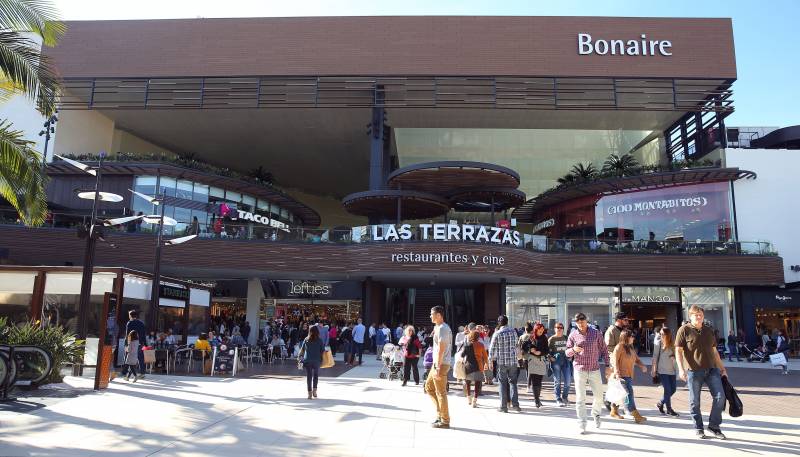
column 22, row 64
column 22, row 183
column 38, row 16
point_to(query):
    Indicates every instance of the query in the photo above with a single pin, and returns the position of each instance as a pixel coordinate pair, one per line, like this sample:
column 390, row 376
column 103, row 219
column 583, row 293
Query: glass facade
column 202, row 221
column 717, row 304
column 682, row 213
column 553, row 303
column 16, row 295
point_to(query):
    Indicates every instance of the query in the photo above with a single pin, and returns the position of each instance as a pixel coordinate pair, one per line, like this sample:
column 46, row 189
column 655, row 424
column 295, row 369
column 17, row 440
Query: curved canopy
column 384, row 204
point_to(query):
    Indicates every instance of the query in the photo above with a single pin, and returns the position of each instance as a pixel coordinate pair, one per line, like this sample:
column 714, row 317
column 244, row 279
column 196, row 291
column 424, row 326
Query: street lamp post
column 156, row 289
column 49, row 128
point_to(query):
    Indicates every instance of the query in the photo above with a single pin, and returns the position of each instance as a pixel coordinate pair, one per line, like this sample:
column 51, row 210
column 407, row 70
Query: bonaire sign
column 640, row 46
column 446, row 232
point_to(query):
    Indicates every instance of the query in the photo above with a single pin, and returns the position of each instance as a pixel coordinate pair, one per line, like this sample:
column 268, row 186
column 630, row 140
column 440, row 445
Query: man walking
column 135, row 324
column 586, row 345
column 503, row 353
column 373, row 331
column 699, row 363
column 358, row 338
column 436, row 382
column 611, row 340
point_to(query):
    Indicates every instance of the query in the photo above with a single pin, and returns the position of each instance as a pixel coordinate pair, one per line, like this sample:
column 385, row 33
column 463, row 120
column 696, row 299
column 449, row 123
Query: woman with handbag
column 476, row 360
column 664, row 370
column 537, row 360
column 411, row 351
column 311, row 357
column 624, row 358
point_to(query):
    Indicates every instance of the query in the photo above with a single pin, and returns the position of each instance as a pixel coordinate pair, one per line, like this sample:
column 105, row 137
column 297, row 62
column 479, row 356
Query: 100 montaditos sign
column 446, row 232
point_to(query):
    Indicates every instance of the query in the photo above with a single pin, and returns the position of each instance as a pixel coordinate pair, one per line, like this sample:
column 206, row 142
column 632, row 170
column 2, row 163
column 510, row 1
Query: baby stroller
column 756, row 354
column 392, row 357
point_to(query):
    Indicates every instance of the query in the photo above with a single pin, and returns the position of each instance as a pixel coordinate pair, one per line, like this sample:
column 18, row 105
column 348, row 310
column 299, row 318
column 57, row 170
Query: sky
column 766, row 93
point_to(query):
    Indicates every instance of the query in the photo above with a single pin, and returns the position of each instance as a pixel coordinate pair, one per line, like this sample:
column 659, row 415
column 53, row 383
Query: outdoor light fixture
column 151, row 200
column 155, row 219
column 78, row 165
column 102, row 196
column 180, row 240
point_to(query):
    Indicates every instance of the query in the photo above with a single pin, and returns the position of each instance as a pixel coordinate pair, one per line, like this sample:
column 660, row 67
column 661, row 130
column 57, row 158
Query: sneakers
column 700, row 434
column 439, row 424
column 516, row 409
column 660, row 407
column 559, row 402
column 502, row 410
column 672, row 412
column 582, row 428
column 135, row 379
column 717, row 433
column 596, row 421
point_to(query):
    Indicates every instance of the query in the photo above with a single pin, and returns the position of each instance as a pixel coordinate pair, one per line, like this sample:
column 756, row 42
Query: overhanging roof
column 309, row 217
column 528, row 211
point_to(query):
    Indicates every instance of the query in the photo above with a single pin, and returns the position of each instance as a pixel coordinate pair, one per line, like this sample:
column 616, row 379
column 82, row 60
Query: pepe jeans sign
column 654, row 205
column 446, row 232
column 637, row 47
column 783, row 298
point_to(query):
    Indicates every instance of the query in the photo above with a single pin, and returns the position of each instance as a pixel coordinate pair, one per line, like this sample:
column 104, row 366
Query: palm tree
column 568, row 178
column 583, row 172
column 624, row 165
column 23, row 69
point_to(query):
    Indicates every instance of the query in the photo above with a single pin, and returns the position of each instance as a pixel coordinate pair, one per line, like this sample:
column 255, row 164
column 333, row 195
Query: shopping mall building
column 376, row 166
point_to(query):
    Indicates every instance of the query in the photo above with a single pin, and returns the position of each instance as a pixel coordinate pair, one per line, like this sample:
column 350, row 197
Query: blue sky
column 767, row 52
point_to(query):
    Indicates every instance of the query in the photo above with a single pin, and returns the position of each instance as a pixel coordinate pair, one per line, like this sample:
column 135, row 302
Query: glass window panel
column 200, row 193
column 716, row 303
column 184, row 189
column 197, row 320
column 167, row 185
column 184, row 218
column 284, row 214
column 263, row 205
column 248, row 200
column 216, row 192
column 15, row 307
column 145, row 185
column 235, row 197
column 275, row 209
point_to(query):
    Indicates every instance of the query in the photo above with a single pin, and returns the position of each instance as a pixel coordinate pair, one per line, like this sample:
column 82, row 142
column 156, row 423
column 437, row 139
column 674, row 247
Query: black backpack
column 470, row 361
column 411, row 346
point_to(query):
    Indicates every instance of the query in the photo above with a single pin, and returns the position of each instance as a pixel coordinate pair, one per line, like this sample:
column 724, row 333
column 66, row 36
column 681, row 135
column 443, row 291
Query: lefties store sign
column 446, row 232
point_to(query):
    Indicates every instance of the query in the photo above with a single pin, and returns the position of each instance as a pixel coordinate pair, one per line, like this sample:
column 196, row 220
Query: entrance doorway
column 645, row 318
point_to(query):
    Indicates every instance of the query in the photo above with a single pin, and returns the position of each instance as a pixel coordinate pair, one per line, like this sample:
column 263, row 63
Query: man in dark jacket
column 135, row 324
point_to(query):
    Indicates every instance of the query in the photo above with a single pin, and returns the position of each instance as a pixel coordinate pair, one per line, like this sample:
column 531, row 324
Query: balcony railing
column 366, row 234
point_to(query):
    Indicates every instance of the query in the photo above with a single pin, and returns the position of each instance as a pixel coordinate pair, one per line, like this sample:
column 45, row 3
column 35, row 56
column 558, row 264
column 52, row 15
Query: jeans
column 411, row 364
column 733, row 351
column 436, row 388
column 359, row 350
column 312, row 375
column 695, row 381
column 562, row 375
column 508, row 375
column 595, row 382
column 670, row 385
column 630, row 403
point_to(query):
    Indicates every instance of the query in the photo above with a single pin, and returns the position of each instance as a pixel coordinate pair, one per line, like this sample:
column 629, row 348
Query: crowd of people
column 579, row 356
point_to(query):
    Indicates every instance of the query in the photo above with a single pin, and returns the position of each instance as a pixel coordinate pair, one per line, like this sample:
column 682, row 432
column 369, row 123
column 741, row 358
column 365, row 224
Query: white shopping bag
column 616, row 392
column 778, row 359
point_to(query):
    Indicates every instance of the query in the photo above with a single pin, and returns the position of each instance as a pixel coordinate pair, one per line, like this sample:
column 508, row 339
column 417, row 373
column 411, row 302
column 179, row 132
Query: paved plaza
column 359, row 414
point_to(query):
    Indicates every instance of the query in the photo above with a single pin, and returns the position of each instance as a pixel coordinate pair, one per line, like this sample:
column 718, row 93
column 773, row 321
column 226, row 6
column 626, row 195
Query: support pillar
column 254, row 295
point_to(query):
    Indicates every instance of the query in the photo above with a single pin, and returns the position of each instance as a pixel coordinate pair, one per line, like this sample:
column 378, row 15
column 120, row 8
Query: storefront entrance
column 299, row 310
column 646, row 318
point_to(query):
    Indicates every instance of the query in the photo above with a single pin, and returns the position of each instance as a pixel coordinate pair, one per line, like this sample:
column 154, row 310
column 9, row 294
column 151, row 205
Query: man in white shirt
column 358, row 338
column 372, row 332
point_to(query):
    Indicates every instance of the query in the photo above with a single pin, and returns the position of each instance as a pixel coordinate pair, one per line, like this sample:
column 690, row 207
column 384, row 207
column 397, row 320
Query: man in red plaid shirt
column 586, row 345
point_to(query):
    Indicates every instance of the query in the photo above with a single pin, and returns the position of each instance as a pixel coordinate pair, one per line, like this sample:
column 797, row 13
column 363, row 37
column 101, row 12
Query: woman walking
column 411, row 351
column 562, row 366
column 624, row 358
column 311, row 356
column 536, row 356
column 131, row 355
column 666, row 368
column 476, row 360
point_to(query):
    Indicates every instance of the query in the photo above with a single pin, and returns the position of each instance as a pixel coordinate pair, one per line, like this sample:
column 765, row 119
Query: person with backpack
column 476, row 359
column 411, row 350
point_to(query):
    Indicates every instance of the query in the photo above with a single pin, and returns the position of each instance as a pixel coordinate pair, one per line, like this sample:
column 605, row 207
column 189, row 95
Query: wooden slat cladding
column 277, row 260
column 411, row 46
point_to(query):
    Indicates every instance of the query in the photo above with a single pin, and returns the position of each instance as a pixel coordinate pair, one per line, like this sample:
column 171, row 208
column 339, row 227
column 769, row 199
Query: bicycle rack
column 11, row 374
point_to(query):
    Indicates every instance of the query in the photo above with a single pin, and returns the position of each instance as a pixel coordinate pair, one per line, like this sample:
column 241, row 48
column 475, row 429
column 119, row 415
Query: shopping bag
column 777, row 359
column 327, row 359
column 616, row 392
column 735, row 406
column 459, row 370
column 149, row 356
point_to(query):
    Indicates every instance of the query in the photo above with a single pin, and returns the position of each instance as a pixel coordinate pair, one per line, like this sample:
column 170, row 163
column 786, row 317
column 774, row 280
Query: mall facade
column 376, row 166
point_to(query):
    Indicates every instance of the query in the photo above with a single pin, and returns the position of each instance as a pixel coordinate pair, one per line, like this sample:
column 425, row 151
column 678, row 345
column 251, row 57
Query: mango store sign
column 446, row 232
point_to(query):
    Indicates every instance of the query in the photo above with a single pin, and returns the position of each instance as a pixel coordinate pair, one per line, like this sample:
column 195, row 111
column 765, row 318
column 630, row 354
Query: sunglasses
column 559, row 327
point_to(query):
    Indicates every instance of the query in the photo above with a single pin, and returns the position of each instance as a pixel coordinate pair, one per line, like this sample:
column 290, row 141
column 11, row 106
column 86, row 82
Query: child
column 131, row 355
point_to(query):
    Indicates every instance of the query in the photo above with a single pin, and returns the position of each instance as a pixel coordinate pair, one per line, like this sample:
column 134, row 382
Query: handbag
column 735, row 406
column 778, row 359
column 657, row 377
column 616, row 392
column 549, row 369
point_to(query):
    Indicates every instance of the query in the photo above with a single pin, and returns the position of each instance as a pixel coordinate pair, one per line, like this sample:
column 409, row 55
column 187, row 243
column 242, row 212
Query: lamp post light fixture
column 49, row 129
column 93, row 231
column 161, row 220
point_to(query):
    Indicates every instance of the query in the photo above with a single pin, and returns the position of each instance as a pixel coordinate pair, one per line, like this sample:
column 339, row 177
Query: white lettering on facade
column 657, row 205
column 447, row 257
column 644, row 47
column 307, row 288
column 446, row 232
